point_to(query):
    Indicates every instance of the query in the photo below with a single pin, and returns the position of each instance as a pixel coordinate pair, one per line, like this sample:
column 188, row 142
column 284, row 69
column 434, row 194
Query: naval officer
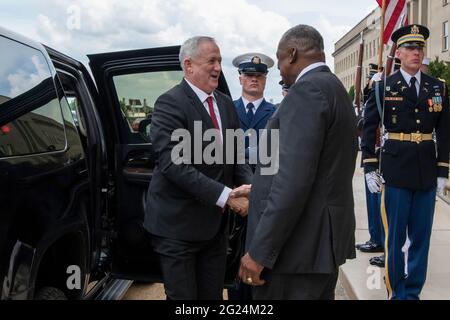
column 253, row 110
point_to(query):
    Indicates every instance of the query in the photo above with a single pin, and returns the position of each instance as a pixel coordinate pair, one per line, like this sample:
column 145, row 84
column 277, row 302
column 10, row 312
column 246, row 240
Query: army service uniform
column 410, row 162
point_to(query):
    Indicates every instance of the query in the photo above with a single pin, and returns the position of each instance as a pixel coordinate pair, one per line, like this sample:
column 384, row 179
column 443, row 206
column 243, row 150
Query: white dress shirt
column 256, row 103
column 222, row 201
column 309, row 68
column 202, row 96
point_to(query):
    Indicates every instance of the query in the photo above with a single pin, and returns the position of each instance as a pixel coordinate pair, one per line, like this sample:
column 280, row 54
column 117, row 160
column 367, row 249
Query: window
column 137, row 93
column 30, row 114
column 445, row 36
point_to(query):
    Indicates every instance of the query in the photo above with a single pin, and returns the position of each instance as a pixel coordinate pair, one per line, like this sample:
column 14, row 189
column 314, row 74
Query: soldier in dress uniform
column 376, row 240
column 253, row 110
column 412, row 167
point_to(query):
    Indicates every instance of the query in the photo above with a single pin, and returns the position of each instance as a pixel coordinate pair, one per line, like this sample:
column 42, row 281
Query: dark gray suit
column 301, row 220
column 189, row 230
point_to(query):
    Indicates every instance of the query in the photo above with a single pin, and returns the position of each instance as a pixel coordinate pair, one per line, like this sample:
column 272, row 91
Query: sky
column 81, row 27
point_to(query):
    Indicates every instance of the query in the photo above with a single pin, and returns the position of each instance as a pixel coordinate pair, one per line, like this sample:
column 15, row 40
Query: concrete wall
column 347, row 51
column 437, row 15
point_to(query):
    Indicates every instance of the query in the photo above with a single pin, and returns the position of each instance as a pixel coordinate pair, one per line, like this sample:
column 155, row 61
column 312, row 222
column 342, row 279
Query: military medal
column 430, row 103
column 437, row 104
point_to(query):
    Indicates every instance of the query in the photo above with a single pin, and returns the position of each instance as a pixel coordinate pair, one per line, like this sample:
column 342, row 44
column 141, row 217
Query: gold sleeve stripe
column 443, row 164
column 373, row 160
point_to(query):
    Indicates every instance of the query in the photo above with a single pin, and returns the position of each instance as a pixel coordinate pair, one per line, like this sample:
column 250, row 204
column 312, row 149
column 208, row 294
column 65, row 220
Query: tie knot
column 250, row 106
column 413, row 81
column 209, row 100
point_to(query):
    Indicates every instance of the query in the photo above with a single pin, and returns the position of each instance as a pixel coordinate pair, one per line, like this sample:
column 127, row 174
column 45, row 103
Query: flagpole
column 381, row 49
column 391, row 57
column 358, row 79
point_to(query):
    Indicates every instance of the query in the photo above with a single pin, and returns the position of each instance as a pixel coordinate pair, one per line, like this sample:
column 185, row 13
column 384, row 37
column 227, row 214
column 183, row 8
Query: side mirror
column 144, row 128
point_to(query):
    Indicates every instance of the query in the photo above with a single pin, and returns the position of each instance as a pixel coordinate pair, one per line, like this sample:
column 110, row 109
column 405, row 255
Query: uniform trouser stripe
column 386, row 233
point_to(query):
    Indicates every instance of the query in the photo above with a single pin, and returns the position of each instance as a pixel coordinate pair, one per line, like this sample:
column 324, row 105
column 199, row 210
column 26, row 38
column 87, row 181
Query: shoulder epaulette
column 442, row 80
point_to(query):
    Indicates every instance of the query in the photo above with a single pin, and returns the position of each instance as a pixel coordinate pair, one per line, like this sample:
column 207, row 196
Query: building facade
column 435, row 14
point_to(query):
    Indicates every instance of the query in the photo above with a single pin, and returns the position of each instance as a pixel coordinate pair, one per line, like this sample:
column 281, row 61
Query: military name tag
column 393, row 99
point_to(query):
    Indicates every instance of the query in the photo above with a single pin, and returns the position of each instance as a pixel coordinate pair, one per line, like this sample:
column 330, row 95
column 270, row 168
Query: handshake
column 238, row 199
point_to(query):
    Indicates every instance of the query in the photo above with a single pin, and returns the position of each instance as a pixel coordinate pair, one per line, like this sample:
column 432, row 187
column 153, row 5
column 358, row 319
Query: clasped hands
column 238, row 199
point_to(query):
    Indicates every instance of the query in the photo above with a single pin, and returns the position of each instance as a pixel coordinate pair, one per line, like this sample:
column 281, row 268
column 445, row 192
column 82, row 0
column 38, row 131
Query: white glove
column 374, row 182
column 441, row 182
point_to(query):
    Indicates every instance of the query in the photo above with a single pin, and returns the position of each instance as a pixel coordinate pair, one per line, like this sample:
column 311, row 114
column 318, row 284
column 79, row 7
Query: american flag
column 395, row 11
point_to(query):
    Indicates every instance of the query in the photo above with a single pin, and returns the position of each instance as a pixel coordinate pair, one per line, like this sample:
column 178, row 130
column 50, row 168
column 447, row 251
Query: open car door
column 129, row 83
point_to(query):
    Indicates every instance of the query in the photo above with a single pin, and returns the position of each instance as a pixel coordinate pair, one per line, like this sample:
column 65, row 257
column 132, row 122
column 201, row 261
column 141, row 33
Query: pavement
column 364, row 282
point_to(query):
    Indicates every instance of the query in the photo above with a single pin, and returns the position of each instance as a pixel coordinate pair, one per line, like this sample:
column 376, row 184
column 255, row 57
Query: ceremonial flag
column 395, row 10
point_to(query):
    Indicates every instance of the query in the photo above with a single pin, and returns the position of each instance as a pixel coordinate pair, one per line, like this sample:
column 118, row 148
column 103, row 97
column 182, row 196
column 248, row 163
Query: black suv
column 75, row 165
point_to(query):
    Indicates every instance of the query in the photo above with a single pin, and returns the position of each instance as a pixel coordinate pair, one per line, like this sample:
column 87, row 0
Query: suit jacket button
column 418, row 121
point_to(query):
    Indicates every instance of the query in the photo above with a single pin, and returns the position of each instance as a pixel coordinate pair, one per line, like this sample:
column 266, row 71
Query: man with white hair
column 187, row 203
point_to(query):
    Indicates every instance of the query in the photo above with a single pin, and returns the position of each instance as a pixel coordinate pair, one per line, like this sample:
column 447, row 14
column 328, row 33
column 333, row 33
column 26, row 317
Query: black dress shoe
column 358, row 245
column 378, row 261
column 371, row 247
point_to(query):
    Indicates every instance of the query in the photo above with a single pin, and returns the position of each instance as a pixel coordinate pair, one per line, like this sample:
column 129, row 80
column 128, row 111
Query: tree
column 351, row 93
column 440, row 69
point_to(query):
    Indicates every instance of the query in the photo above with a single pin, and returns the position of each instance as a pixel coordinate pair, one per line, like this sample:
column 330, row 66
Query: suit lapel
column 242, row 113
column 222, row 111
column 262, row 112
column 398, row 86
column 425, row 89
column 197, row 104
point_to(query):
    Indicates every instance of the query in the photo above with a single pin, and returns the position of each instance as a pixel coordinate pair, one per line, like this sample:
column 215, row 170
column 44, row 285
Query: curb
column 349, row 290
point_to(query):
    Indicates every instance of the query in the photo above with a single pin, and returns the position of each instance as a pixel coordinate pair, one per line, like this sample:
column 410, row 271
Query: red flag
column 395, row 10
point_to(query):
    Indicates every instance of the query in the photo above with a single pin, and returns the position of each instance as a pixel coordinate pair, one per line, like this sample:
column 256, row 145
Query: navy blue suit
column 262, row 115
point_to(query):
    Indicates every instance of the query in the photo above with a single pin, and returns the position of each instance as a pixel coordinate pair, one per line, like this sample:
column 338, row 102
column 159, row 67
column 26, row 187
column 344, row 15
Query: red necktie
column 212, row 113
column 216, row 125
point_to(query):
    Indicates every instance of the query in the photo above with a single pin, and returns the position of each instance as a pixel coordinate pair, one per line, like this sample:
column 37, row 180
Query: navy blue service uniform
column 257, row 122
column 410, row 162
column 253, row 116
column 376, row 232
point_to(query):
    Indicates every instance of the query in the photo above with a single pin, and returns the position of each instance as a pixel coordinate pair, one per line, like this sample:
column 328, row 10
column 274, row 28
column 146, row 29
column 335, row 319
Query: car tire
column 50, row 293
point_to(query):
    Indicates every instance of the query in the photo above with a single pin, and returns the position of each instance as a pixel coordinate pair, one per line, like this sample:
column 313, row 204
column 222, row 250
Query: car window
column 138, row 92
column 28, row 98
